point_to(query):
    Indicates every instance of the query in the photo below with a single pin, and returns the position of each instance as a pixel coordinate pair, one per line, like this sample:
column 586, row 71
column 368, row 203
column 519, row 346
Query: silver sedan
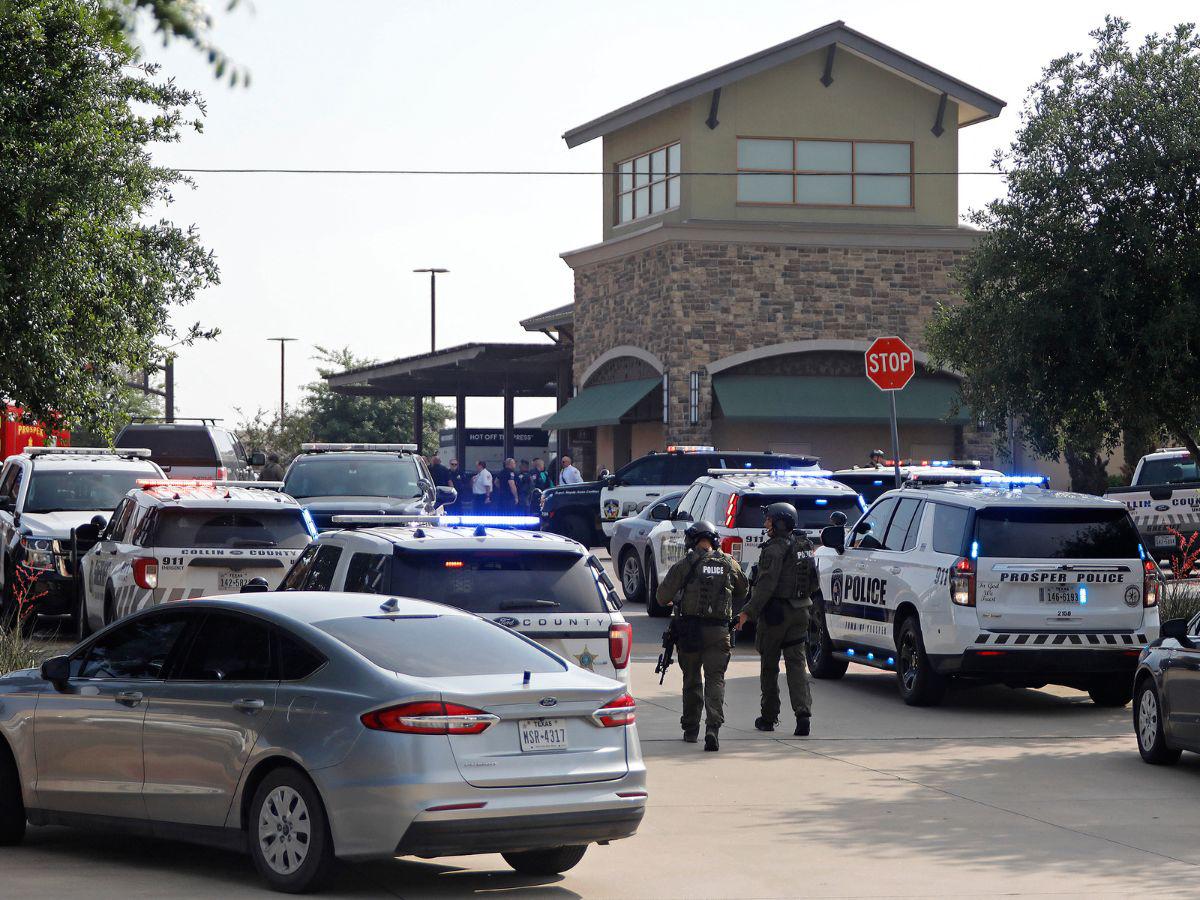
column 630, row 546
column 307, row 726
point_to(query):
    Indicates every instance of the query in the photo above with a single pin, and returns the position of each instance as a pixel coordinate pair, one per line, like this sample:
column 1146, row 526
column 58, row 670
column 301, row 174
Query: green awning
column 794, row 398
column 603, row 404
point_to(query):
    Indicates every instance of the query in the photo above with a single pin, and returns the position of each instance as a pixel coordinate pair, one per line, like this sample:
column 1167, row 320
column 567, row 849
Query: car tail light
column 145, row 572
column 222, row 473
column 731, row 509
column 620, row 643
column 429, row 717
column 1152, row 583
column 732, row 546
column 616, row 713
column 962, row 583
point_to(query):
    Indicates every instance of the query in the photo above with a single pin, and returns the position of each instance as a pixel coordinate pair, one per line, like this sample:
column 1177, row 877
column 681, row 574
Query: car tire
column 819, row 649
column 1148, row 726
column 83, row 625
column 12, row 805
column 652, row 606
column 110, row 608
column 633, row 581
column 1112, row 691
column 288, row 833
column 918, row 683
column 574, row 527
column 553, row 861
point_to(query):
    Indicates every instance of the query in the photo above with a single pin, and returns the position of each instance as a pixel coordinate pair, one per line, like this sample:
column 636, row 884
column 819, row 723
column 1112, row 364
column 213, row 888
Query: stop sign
column 890, row 363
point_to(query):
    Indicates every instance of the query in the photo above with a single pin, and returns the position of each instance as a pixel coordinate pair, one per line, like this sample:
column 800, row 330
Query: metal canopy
column 603, row 404
column 476, row 370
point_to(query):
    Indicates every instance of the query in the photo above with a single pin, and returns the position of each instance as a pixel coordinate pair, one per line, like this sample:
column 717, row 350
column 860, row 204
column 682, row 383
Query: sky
column 454, row 84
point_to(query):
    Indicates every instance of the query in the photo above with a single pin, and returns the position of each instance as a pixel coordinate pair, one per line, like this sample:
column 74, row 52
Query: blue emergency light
column 492, row 521
column 1015, row 480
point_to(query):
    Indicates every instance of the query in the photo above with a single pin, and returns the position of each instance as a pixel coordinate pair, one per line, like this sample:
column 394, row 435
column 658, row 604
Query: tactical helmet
column 784, row 514
column 875, row 453
column 701, row 529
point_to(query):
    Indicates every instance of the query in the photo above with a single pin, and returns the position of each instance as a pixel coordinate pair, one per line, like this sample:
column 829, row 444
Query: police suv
column 176, row 540
column 873, row 481
column 1003, row 581
column 547, row 587
column 735, row 500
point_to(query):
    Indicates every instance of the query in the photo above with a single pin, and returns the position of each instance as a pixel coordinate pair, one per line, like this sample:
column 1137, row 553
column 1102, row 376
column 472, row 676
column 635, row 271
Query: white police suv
column 547, row 587
column 177, row 540
column 735, row 501
column 1002, row 581
column 873, row 481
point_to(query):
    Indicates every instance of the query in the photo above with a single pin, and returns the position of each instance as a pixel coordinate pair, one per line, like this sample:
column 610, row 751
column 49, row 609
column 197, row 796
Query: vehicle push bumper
column 1084, row 653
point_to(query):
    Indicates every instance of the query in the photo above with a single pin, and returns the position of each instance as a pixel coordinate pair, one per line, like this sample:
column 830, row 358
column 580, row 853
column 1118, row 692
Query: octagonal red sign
column 890, row 363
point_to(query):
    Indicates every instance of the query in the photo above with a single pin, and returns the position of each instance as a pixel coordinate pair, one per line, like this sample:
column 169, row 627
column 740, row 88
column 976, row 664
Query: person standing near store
column 524, row 486
column 703, row 585
column 460, row 480
column 504, row 495
column 481, row 487
column 780, row 606
column 568, row 474
column 272, row 471
column 439, row 473
column 540, row 477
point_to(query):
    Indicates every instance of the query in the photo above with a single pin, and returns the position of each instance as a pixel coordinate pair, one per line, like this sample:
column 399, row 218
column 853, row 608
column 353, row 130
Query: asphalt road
column 995, row 792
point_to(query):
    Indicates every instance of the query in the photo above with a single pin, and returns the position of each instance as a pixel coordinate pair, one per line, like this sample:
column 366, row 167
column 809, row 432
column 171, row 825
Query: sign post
column 890, row 366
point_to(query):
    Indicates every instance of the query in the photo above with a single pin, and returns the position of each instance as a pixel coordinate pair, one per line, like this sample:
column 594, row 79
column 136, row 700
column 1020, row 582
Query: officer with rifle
column 780, row 605
column 702, row 588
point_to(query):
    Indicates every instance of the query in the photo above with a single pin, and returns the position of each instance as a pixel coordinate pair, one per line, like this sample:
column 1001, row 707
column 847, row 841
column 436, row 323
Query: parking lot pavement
column 996, row 792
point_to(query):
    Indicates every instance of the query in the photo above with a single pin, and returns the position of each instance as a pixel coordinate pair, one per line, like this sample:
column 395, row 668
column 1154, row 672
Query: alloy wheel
column 908, row 662
column 1148, row 719
column 631, row 575
column 284, row 830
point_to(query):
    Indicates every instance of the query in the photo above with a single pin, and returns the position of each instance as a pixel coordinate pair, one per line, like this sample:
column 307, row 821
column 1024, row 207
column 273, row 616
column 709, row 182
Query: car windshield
column 170, row 447
column 353, row 476
column 1056, row 533
column 489, row 581
column 1171, row 470
column 282, row 528
column 81, row 490
column 430, row 646
column 813, row 511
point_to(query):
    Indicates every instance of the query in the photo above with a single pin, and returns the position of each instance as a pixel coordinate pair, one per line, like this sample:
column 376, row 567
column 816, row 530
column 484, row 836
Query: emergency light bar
column 774, row 473
column 126, row 452
column 493, row 521
column 385, row 519
column 1016, row 480
column 690, row 448
column 150, row 483
column 256, row 485
column 934, row 463
column 447, row 521
column 328, row 447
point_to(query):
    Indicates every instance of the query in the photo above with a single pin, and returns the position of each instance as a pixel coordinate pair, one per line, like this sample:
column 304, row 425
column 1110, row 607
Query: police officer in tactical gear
column 779, row 606
column 703, row 586
column 877, row 460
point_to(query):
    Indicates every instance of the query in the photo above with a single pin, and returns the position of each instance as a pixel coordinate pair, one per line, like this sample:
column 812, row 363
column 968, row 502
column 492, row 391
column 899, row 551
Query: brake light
column 222, row 473
column 429, row 717
column 733, row 547
column 962, row 583
column 1152, row 583
column 145, row 572
column 616, row 713
column 620, row 643
column 731, row 509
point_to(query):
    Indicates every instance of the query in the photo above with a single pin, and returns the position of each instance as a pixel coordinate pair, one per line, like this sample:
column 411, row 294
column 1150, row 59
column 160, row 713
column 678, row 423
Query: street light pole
column 433, row 274
column 283, row 341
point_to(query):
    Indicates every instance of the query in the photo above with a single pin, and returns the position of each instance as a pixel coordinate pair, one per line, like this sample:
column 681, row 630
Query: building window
column 648, row 184
column 694, row 398
column 802, row 172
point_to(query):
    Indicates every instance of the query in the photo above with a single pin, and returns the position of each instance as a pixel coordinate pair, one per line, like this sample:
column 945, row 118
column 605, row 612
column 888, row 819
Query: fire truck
column 18, row 431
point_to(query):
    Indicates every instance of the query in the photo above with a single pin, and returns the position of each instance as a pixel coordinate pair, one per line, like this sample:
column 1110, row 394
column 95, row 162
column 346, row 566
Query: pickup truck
column 1164, row 497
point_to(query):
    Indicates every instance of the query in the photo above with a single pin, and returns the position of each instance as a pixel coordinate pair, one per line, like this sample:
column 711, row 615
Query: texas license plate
column 232, row 581
column 1058, row 595
column 543, row 734
column 1164, row 540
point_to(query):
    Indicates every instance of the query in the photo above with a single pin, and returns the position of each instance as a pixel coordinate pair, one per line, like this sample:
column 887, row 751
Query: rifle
column 667, row 656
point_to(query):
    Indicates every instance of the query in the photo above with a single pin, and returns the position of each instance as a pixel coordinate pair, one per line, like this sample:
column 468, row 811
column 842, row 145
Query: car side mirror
column 862, row 527
column 7, row 504
column 446, row 495
column 256, row 585
column 681, row 515
column 1177, row 630
column 610, row 481
column 87, row 533
column 258, row 458
column 834, row 536
column 660, row 513
column 838, row 518
column 57, row 671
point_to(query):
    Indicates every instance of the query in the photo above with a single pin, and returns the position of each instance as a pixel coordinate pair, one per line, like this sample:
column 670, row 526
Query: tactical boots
column 802, row 726
column 711, row 742
column 690, row 737
column 762, row 723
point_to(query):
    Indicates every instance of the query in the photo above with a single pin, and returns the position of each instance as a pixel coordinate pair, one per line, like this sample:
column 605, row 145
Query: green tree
column 187, row 20
column 1081, row 312
column 88, row 280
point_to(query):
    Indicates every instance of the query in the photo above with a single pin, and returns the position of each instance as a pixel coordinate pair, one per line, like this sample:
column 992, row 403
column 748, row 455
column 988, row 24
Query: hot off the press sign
column 890, row 363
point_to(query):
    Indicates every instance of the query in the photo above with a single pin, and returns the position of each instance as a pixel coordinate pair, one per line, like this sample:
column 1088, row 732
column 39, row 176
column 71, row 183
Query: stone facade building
column 762, row 224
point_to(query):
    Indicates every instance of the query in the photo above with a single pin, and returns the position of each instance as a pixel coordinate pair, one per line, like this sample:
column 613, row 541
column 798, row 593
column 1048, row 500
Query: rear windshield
column 434, row 646
column 870, row 484
column 173, row 446
column 499, row 581
column 1169, row 471
column 813, row 511
column 81, row 489
column 343, row 476
column 1049, row 533
column 283, row 528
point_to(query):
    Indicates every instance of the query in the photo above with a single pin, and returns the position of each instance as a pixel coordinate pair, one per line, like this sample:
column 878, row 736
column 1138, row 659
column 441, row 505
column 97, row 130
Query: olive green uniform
column 780, row 607
column 711, row 583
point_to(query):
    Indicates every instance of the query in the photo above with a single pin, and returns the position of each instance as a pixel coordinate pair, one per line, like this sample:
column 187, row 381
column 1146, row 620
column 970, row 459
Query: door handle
column 250, row 707
column 895, row 570
column 652, row 495
column 129, row 698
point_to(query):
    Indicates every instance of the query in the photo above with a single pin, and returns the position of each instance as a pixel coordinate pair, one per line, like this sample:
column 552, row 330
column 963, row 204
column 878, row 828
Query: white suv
column 1000, row 581
column 734, row 500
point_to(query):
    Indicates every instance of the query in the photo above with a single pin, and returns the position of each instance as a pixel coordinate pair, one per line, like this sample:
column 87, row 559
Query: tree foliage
column 88, row 279
column 187, row 20
column 1081, row 312
column 322, row 415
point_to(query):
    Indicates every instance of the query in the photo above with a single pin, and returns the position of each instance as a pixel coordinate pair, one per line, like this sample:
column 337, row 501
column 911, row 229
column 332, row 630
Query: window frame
column 665, row 181
column 852, row 174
